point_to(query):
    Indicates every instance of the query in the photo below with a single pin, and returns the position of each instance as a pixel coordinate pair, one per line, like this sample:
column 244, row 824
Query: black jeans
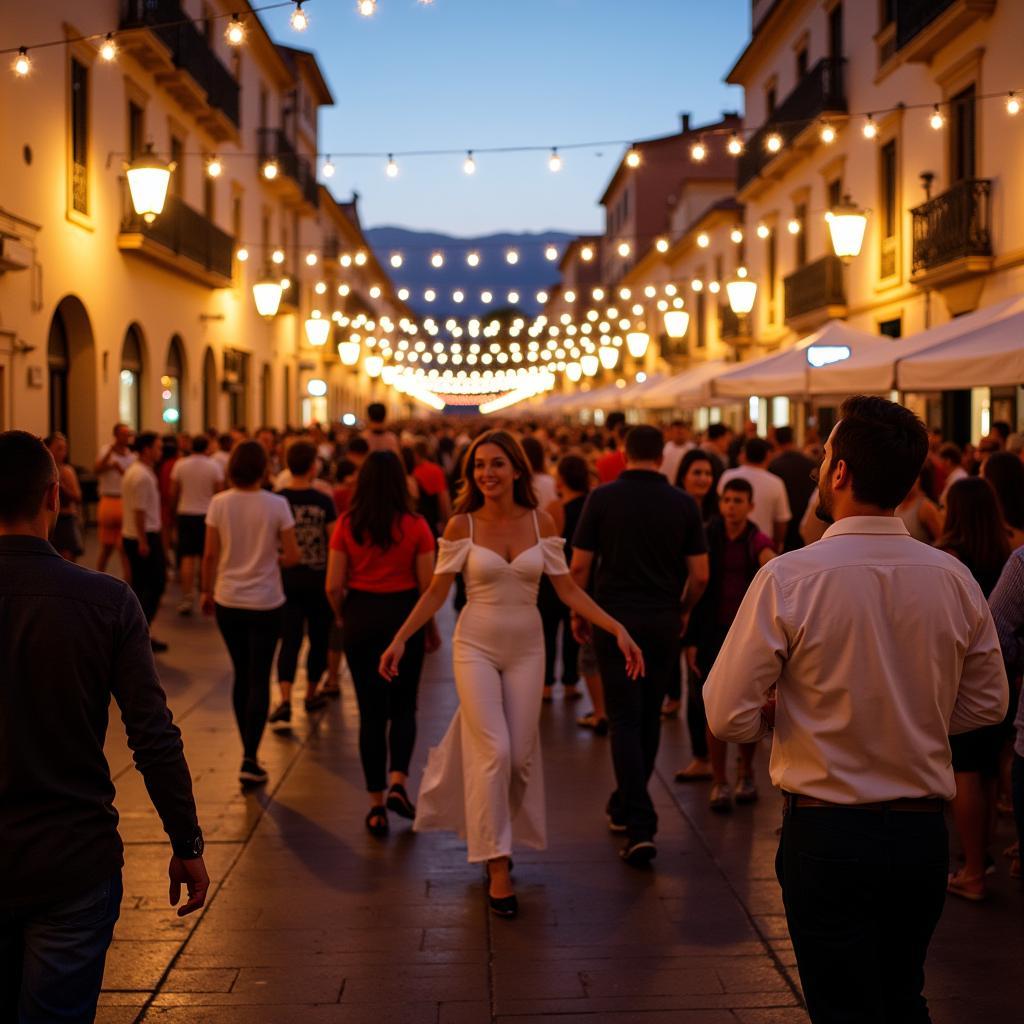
column 306, row 612
column 387, row 710
column 863, row 891
column 149, row 574
column 696, row 717
column 634, row 710
column 554, row 614
column 251, row 639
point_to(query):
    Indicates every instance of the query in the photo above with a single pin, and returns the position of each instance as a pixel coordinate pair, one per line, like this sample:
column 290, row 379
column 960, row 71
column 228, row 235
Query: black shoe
column 503, row 906
column 158, row 646
column 315, row 703
column 377, row 821
column 638, row 853
column 281, row 716
column 615, row 826
column 399, row 802
column 252, row 772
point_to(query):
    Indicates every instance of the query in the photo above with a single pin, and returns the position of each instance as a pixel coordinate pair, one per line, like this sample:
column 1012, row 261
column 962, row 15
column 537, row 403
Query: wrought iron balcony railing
column 816, row 286
column 189, row 49
column 730, row 326
column 274, row 144
column 820, row 92
column 954, row 225
column 914, row 16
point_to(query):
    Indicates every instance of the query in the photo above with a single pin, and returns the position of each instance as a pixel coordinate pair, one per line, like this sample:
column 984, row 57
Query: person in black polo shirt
column 651, row 568
column 71, row 639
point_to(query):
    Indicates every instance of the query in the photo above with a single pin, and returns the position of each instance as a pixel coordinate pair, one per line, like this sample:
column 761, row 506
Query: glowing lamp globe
column 574, row 371
column 266, row 293
column 148, row 178
column 847, row 224
column 741, row 295
column 317, row 388
column 317, row 329
column 348, row 352
column 589, row 365
column 637, row 342
column 608, row 355
column 676, row 323
column 373, row 366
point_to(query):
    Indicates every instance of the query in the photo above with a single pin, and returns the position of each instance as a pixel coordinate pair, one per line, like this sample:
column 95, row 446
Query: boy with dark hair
column 377, row 436
column 736, row 550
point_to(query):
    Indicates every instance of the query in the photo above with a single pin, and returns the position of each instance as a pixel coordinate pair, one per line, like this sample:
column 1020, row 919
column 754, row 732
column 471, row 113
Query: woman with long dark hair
column 1005, row 472
column 975, row 533
column 484, row 781
column 381, row 559
column 696, row 476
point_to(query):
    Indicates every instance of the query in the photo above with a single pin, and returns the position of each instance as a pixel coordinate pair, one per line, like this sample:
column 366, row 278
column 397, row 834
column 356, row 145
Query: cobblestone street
column 313, row 920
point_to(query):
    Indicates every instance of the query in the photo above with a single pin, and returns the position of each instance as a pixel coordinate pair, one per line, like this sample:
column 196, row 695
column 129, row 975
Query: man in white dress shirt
column 880, row 647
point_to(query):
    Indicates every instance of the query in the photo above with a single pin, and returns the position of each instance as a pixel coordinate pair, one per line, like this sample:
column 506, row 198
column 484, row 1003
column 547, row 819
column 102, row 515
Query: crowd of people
column 641, row 561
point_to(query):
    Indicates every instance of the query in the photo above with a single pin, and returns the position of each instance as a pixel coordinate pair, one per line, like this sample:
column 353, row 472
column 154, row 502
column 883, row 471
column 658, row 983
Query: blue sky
column 473, row 73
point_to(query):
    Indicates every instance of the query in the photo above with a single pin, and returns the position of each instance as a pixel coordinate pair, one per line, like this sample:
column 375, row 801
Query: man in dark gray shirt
column 71, row 639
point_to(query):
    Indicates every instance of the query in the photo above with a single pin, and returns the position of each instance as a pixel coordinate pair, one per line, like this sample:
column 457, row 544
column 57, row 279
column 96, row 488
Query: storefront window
column 129, row 392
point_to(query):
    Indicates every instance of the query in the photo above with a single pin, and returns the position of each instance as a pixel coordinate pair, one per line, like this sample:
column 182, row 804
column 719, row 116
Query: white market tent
column 875, row 370
column 689, row 389
column 795, row 372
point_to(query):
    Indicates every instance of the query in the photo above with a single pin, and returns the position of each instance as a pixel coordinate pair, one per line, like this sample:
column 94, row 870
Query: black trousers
column 634, row 710
column 863, row 891
column 555, row 615
column 387, row 710
column 149, row 574
column 251, row 639
column 696, row 717
column 306, row 613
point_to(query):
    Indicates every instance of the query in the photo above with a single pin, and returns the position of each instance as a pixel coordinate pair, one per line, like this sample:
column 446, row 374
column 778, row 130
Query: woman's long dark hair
column 471, row 497
column 975, row 531
column 709, row 504
column 1005, row 472
column 381, row 499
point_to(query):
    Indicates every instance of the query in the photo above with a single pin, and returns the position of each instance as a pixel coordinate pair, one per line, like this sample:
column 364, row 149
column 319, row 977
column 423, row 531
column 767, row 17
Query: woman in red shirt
column 381, row 559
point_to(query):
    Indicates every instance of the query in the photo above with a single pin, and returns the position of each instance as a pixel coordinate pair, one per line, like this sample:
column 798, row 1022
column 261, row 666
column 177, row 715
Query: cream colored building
column 106, row 318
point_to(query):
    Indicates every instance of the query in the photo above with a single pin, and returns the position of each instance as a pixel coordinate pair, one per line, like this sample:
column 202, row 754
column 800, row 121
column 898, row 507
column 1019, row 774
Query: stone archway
column 71, row 353
column 210, row 418
column 173, row 386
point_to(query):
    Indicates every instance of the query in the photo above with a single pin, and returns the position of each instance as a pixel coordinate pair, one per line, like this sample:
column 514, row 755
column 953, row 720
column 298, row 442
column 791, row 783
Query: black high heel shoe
column 377, row 821
column 501, row 906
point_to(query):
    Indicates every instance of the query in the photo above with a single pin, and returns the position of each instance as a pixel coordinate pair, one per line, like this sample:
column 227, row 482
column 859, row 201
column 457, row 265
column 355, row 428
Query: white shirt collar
column 890, row 525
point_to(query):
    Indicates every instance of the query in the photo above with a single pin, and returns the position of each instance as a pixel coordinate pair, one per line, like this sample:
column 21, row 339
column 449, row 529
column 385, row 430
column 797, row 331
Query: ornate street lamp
column 608, row 356
column 317, row 329
column 148, row 178
column 846, row 224
column 677, row 322
column 742, row 292
column 349, row 351
column 637, row 342
column 373, row 366
column 266, row 293
column 574, row 371
column 589, row 365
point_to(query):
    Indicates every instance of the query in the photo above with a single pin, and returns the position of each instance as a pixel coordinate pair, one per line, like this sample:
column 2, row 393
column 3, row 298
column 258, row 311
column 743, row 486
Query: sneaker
column 252, row 772
column 721, row 798
column 746, row 791
column 638, row 853
column 185, row 606
column 281, row 716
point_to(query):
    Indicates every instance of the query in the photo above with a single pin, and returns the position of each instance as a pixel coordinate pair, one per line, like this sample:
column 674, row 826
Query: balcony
column 732, row 328
column 953, row 234
column 819, row 95
column 162, row 38
column 296, row 176
column 815, row 294
column 181, row 240
column 923, row 27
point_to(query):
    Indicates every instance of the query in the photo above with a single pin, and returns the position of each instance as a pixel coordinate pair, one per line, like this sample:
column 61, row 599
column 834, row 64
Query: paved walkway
column 312, row 920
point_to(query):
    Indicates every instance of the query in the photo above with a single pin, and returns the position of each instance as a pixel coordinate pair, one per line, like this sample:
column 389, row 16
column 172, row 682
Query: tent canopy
column 688, row 389
column 794, row 372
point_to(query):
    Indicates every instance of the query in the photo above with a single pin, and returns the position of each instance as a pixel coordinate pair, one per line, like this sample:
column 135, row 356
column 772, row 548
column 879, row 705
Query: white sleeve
column 984, row 692
column 554, row 556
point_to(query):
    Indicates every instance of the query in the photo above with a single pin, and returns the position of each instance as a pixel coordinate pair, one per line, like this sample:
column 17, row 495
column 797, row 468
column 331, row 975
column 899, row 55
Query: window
column 129, row 389
column 79, row 136
column 800, row 216
column 209, row 197
column 136, row 130
column 773, row 270
column 891, row 328
column 801, row 63
column 962, row 136
column 771, row 100
column 178, row 158
column 701, row 320
column 834, row 193
column 889, row 219
column 171, row 385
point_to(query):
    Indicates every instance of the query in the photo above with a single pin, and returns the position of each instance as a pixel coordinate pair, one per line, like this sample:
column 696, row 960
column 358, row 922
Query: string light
column 270, row 170
column 827, row 134
column 361, row 258
column 108, row 48
column 661, row 245
column 703, row 240
column 633, row 157
column 936, row 120
column 773, row 143
column 870, row 129
column 437, row 260
column 214, row 167
column 736, row 235
column 551, row 253
column 698, row 152
column 554, row 161
column 234, row 34
column 242, row 255
column 473, row 259
column 794, row 227
column 1013, row 104
column 512, row 257
column 469, row 164
column 763, row 231
column 396, row 260
column 299, row 20
column 587, row 253
column 624, row 249
column 22, row 63
column 277, row 256
column 311, row 259
column 328, row 168
column 734, row 145
column 391, row 170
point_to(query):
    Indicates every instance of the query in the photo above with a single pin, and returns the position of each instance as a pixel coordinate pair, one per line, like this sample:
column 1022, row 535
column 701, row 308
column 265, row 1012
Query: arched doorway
column 129, row 383
column 266, row 395
column 172, row 385
column 72, row 379
column 209, row 389
column 287, row 397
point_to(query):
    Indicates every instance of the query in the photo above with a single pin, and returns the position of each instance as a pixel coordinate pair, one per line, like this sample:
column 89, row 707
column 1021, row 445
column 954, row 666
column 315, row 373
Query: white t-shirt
column 771, row 504
column 284, row 480
column 546, row 489
column 222, row 459
column 249, row 524
column 672, row 457
column 140, row 492
column 110, row 479
column 199, row 477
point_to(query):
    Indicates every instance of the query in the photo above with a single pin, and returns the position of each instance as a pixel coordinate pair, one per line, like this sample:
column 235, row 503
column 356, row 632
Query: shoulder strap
column 536, row 525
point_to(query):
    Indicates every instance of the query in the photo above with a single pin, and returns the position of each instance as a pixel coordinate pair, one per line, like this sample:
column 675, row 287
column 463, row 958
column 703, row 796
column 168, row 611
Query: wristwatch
column 190, row 848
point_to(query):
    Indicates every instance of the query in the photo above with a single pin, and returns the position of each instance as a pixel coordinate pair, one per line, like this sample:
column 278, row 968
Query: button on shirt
column 881, row 648
column 140, row 492
column 771, row 505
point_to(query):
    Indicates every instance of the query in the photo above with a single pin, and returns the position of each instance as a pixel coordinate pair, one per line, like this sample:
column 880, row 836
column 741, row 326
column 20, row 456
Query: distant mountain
column 531, row 274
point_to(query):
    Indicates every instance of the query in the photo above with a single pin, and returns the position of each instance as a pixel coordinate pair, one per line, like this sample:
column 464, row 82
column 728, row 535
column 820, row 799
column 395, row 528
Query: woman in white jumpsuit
column 484, row 781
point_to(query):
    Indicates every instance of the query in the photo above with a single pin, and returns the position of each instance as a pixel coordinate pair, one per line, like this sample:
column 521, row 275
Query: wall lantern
column 742, row 292
column 589, row 365
column 317, row 329
column 608, row 356
column 349, row 352
column 846, row 224
column 316, row 388
column 373, row 366
column 574, row 371
column 637, row 342
column 148, row 178
column 266, row 293
column 677, row 322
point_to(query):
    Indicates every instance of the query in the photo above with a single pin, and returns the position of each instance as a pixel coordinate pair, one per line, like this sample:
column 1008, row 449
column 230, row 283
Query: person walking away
column 609, row 465
column 377, row 436
column 1005, row 472
column 142, row 529
column 771, row 505
column 975, row 534
column 485, row 781
column 114, row 459
column 72, row 641
column 543, row 482
column 795, row 470
column 222, row 456
column 651, row 568
column 67, row 531
column 950, row 458
column 736, row 550
column 195, row 479
column 880, row 647
column 241, row 586
column 306, row 611
column 434, row 502
column 920, row 515
column 677, row 444
column 717, row 442
column 381, row 560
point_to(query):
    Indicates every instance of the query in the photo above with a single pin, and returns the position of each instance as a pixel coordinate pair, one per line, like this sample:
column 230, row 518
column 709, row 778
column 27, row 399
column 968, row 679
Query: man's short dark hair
column 224, row 442
column 755, row 449
column 644, row 444
column 358, row 446
column 574, row 471
column 200, row 443
column 534, row 453
column 784, row 435
column 614, row 420
column 300, row 457
column 144, row 440
column 376, row 412
column 951, row 453
column 27, row 471
column 717, row 431
column 247, row 464
column 741, row 486
column 1002, row 428
column 883, row 444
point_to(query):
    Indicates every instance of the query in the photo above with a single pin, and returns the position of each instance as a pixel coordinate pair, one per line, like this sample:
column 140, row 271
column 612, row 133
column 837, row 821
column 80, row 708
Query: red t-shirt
column 343, row 497
column 384, row 572
column 610, row 465
column 430, row 476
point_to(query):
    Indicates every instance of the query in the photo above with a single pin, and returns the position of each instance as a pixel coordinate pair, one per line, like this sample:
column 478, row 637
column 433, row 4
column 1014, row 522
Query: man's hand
column 206, row 603
column 691, row 661
column 581, row 629
column 192, row 874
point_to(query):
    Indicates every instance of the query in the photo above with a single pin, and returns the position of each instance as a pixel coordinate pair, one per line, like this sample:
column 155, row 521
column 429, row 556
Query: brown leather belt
column 919, row 805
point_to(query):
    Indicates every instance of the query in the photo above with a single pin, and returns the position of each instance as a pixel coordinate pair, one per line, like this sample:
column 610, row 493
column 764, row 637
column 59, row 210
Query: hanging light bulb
column 624, row 249
column 661, row 245
column 234, row 34
column 311, row 259
column 361, row 258
column 391, row 170
column 429, row 295
column 512, row 257
column 242, row 255
column 469, row 164
column 734, row 145
column 794, row 227
column 698, row 152
column 587, row 253
column 846, row 224
column 266, row 293
column 396, row 260
column 108, row 48
column 633, row 157
column 299, row 21
column 270, row 169
column 1013, row 104
column 214, row 168
column 637, row 342
column 551, row 253
column 22, row 63
column 773, row 143
column 676, row 323
column 328, row 168
column 703, row 240
column 827, row 134
column 763, row 231
column 473, row 259
column 870, row 129
column 277, row 256
column 148, row 178
column 936, row 120
column 437, row 260
column 513, row 297
column 554, row 161
column 742, row 293
column 736, row 236
column 317, row 329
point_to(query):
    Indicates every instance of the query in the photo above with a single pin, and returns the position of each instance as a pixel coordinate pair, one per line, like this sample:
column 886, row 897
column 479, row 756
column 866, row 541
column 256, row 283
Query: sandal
column 377, row 821
column 591, row 721
column 693, row 774
column 399, row 802
column 959, row 885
